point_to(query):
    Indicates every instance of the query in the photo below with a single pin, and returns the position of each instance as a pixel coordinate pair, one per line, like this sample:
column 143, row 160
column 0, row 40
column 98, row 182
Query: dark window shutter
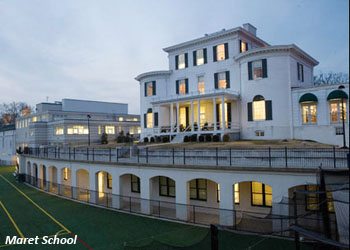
column 176, row 62
column 186, row 85
column 247, row 46
column 250, row 112
column 187, row 117
column 186, row 60
column 216, row 80
column 195, row 58
column 156, row 119
column 177, row 87
column 229, row 118
column 144, row 120
column 298, row 69
column 205, row 55
column 154, row 88
column 227, row 79
column 302, row 73
column 218, row 113
column 268, row 110
column 226, row 51
column 214, row 54
column 145, row 88
column 264, row 67
column 250, row 71
column 240, row 46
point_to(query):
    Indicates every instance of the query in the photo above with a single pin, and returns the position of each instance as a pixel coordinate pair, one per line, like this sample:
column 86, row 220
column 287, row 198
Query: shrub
column 104, row 138
column 208, row 137
column 152, row 139
column 165, row 139
column 216, row 138
column 226, row 138
column 193, row 138
column 201, row 138
column 186, row 138
column 158, row 139
column 145, row 140
column 121, row 139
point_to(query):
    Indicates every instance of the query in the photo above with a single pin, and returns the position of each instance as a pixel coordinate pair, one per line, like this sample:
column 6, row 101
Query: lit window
column 100, row 129
column 59, row 131
column 261, row 194
column 34, row 119
column 200, row 57
column 243, row 46
column 149, row 118
column 259, row 111
column 182, row 116
column 198, row 189
column 311, row 198
column 182, row 87
column 336, row 111
column 257, row 69
column 65, row 174
column 309, row 112
column 77, row 130
column 109, row 181
column 135, row 184
column 220, row 52
column 149, row 89
column 181, row 62
column 110, row 130
column 166, row 186
column 121, row 119
column 236, row 193
column 222, row 83
column 135, row 119
column 201, row 85
column 218, row 192
column 202, row 116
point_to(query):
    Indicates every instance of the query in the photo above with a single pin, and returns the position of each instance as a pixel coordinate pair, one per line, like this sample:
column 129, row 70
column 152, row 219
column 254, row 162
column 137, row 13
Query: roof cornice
column 153, row 74
column 278, row 48
column 215, row 36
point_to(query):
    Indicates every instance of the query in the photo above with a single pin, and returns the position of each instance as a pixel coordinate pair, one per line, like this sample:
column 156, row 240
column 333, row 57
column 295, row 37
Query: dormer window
column 181, row 61
column 220, row 52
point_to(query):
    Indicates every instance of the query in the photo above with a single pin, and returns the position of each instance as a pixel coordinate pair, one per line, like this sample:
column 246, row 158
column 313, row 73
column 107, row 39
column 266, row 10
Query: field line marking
column 12, row 220
column 40, row 208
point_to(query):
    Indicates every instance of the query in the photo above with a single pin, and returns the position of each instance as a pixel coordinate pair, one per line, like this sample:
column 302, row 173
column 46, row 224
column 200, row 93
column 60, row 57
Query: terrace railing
column 282, row 157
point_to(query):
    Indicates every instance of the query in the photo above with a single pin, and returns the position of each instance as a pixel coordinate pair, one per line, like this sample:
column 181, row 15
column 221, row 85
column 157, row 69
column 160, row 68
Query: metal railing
column 283, row 157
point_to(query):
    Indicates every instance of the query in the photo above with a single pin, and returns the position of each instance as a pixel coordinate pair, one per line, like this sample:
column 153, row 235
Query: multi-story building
column 70, row 122
column 232, row 82
column 7, row 145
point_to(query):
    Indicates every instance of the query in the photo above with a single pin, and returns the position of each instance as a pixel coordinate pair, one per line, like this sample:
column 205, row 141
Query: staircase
column 179, row 138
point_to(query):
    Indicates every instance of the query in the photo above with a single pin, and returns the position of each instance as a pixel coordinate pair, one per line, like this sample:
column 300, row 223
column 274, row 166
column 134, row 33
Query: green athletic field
column 27, row 211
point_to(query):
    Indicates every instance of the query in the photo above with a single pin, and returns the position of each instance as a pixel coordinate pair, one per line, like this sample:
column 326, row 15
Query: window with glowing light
column 166, row 186
column 243, row 46
column 222, row 83
column 201, row 85
column 77, row 130
column 135, row 184
column 309, row 112
column 220, row 52
column 198, row 189
column 110, row 130
column 181, row 62
column 200, row 57
column 236, row 193
column 182, row 87
column 59, row 130
column 257, row 69
column 336, row 112
column 149, row 120
column 261, row 194
column 259, row 111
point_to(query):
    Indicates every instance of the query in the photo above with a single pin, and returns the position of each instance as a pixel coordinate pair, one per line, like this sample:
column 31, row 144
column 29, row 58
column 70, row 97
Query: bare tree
column 10, row 111
column 331, row 78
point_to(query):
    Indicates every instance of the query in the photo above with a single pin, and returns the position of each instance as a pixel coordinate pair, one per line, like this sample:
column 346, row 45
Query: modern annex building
column 232, row 82
column 70, row 122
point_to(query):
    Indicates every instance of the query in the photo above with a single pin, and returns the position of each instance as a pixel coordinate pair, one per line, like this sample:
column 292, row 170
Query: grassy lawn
column 99, row 228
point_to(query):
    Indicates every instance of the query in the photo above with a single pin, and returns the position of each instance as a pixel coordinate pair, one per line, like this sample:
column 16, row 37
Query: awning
column 337, row 94
column 308, row 97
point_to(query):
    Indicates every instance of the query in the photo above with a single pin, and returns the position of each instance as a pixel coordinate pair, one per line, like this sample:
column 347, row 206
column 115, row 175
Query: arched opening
column 312, row 207
column 204, row 197
column 83, row 185
column 104, row 188
column 34, row 179
column 253, row 205
column 53, row 179
column 66, row 182
column 162, row 195
column 130, row 189
column 28, row 172
column 42, row 177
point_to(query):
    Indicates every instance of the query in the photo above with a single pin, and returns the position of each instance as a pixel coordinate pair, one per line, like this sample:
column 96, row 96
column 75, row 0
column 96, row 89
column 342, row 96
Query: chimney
column 250, row 28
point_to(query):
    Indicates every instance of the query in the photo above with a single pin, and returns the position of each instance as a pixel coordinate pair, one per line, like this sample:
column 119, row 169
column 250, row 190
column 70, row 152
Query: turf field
column 25, row 211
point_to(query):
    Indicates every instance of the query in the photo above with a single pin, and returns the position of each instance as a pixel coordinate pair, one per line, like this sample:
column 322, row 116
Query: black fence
column 254, row 222
column 243, row 157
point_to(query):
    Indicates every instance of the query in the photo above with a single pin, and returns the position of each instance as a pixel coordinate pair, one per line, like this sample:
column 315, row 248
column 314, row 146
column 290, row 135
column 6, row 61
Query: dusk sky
column 94, row 49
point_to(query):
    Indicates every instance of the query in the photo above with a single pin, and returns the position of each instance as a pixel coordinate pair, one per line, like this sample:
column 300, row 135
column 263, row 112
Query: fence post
column 214, row 237
column 194, row 214
column 138, row 155
column 87, row 154
column 73, row 153
column 230, row 156
column 269, row 156
column 217, row 156
column 158, row 208
column 93, row 154
column 129, row 203
column 59, row 153
column 173, row 156
column 146, row 155
column 55, row 152
column 286, row 156
column 69, row 153
column 334, row 159
column 184, row 156
column 117, row 154
column 110, row 154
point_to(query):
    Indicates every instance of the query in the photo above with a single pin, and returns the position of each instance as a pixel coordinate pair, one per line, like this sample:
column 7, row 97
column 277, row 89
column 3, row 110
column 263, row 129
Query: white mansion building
column 232, row 82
